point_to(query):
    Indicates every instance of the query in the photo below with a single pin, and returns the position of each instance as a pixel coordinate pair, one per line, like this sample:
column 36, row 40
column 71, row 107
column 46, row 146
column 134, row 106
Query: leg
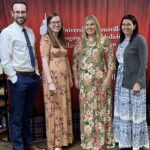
column 33, row 84
column 18, row 92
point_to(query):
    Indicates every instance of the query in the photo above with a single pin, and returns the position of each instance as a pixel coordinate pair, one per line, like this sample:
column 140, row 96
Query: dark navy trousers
column 23, row 94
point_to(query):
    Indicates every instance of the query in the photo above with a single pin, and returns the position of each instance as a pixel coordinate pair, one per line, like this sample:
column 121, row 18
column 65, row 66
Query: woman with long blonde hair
column 93, row 65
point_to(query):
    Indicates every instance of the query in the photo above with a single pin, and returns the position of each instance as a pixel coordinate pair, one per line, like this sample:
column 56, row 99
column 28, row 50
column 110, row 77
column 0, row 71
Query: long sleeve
column 14, row 51
column 6, row 44
column 142, row 53
column 36, row 61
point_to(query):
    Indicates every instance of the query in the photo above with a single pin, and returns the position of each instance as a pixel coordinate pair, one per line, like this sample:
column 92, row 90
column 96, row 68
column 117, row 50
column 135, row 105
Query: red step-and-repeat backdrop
column 73, row 12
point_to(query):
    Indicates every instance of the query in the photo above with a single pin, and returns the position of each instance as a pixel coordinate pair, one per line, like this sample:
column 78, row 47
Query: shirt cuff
column 13, row 79
column 37, row 72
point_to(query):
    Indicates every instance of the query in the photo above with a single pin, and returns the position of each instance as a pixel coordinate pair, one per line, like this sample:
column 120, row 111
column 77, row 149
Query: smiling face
column 55, row 24
column 90, row 27
column 127, row 27
column 19, row 13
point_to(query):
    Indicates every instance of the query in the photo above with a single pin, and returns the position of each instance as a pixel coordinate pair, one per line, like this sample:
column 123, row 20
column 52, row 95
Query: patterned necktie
column 29, row 47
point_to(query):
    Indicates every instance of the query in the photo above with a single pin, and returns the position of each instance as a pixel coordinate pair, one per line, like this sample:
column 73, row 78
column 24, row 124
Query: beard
column 20, row 20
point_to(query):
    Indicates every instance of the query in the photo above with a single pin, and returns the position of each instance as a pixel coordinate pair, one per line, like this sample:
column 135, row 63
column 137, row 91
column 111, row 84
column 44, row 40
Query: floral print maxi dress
column 57, row 105
column 95, row 102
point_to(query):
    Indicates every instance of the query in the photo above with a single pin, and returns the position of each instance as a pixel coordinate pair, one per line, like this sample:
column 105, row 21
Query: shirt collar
column 17, row 26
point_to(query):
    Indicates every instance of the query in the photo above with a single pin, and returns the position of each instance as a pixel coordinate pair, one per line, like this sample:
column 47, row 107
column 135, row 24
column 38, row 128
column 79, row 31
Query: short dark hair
column 19, row 2
column 135, row 31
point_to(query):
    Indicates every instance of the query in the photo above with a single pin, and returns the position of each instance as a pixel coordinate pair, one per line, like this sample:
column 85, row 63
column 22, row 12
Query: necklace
column 91, row 42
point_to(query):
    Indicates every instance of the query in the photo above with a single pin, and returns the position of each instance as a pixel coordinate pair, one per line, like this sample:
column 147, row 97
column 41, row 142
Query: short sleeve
column 45, row 45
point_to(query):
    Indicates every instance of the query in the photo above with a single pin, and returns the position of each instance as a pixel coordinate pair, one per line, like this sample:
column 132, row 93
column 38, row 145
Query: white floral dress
column 130, row 127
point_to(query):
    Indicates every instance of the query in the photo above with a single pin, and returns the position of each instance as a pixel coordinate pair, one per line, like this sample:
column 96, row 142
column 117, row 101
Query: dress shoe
column 33, row 147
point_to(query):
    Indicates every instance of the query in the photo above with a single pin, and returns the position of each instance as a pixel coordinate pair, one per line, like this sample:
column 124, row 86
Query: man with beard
column 17, row 53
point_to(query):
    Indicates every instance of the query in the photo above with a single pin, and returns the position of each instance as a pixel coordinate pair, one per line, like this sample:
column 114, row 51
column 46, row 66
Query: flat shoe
column 58, row 148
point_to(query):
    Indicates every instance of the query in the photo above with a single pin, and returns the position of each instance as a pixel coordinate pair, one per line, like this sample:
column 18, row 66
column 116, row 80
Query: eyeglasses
column 20, row 12
column 55, row 22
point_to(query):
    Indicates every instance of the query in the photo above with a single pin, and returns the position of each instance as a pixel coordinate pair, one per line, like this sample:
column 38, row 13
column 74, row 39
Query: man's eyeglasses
column 20, row 12
column 55, row 22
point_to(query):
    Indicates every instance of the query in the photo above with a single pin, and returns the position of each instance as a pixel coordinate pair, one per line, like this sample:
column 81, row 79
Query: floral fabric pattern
column 130, row 127
column 95, row 101
column 57, row 104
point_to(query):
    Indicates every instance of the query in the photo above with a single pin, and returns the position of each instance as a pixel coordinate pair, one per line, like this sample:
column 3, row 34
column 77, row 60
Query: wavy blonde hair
column 98, row 33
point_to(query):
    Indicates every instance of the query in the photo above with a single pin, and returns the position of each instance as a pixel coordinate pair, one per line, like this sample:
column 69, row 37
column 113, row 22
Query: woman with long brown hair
column 56, row 83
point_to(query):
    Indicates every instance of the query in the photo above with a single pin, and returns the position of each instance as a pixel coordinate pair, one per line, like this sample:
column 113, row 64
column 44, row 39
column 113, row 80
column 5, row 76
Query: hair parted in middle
column 61, row 37
column 98, row 33
column 135, row 31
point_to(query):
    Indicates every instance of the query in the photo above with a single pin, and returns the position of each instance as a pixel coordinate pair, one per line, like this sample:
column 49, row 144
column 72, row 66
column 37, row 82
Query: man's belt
column 28, row 74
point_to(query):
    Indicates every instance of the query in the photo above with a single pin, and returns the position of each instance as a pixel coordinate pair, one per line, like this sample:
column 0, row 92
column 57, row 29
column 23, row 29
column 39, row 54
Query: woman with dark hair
column 130, row 127
column 57, row 81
